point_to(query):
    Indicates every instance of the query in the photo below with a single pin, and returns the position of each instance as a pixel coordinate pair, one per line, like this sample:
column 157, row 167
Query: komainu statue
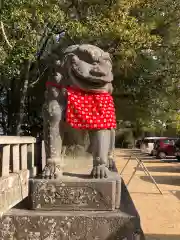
column 78, row 92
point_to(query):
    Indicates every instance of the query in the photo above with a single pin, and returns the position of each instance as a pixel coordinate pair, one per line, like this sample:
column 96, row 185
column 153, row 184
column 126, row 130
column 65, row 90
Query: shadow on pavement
column 172, row 169
column 142, row 157
column 145, row 159
column 170, row 160
column 149, row 159
column 169, row 180
column 176, row 194
column 162, row 237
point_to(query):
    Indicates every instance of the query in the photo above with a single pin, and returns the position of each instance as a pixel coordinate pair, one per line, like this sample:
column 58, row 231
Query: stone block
column 121, row 224
column 13, row 189
column 33, row 225
column 76, row 193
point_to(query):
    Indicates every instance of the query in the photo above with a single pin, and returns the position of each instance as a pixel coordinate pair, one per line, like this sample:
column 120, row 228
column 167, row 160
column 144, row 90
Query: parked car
column 177, row 149
column 164, row 147
column 138, row 143
column 147, row 144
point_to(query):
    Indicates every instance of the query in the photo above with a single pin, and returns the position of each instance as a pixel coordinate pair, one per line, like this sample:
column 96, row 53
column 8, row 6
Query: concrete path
column 160, row 214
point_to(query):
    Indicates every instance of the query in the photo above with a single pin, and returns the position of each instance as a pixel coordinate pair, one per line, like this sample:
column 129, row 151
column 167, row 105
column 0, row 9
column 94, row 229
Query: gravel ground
column 160, row 214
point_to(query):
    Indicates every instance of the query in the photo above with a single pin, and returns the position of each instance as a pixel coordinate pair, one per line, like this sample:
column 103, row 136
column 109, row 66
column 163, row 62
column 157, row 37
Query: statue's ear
column 66, row 59
column 71, row 49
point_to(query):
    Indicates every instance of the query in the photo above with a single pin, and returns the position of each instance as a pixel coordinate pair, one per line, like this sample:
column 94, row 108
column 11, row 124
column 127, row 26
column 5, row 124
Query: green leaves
column 142, row 36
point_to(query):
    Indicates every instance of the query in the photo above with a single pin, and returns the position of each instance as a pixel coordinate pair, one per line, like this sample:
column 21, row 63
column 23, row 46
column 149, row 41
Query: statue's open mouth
column 90, row 82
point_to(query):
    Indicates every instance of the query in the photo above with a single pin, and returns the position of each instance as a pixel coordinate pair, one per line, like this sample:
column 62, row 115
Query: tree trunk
column 3, row 120
column 23, row 94
column 12, row 99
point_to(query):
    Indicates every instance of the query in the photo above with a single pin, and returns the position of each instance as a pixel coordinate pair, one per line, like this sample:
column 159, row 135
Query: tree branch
column 37, row 80
column 5, row 36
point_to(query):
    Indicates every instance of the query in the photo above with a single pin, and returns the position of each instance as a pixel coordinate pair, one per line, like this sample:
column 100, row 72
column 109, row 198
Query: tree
column 163, row 18
column 129, row 30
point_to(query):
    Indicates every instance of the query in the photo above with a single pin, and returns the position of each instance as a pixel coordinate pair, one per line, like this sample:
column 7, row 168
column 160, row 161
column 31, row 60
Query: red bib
column 86, row 110
column 89, row 110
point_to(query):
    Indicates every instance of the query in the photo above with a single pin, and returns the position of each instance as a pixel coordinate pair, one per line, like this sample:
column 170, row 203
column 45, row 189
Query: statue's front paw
column 52, row 171
column 100, row 171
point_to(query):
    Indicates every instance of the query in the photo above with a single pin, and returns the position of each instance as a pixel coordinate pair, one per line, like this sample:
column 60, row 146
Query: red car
column 164, row 147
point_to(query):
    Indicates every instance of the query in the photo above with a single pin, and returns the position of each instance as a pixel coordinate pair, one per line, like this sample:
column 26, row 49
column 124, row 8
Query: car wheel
column 162, row 155
column 151, row 153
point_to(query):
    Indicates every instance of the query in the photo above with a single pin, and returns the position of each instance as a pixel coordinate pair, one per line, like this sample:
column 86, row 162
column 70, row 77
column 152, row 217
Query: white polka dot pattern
column 90, row 110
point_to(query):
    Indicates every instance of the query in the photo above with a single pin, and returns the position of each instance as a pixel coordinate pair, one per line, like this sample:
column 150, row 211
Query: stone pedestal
column 74, row 207
column 76, row 193
column 120, row 224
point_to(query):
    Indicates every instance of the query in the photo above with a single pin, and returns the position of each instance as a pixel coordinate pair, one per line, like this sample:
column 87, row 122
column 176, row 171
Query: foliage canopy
column 142, row 36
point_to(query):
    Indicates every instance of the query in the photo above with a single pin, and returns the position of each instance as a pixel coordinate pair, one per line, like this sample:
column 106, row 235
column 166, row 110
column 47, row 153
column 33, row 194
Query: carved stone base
column 122, row 224
column 76, row 193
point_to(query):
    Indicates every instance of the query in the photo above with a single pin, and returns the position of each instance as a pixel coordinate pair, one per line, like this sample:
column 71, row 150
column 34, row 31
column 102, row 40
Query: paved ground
column 160, row 214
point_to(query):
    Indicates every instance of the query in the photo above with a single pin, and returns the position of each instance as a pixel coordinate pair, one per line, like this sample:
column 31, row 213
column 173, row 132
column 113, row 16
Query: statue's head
column 88, row 66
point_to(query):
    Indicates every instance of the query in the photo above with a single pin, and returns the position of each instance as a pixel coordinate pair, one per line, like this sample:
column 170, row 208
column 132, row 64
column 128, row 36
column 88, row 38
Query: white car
column 147, row 144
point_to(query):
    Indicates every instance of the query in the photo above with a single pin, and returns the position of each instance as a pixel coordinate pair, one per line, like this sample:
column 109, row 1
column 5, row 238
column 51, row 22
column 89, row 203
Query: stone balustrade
column 17, row 165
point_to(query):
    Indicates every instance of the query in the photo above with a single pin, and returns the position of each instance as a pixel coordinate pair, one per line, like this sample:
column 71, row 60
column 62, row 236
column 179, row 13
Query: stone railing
column 17, row 165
